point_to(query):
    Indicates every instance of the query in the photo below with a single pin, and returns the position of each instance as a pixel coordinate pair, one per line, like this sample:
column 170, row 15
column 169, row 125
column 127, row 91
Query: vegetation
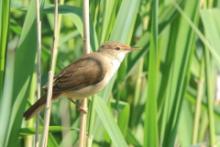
column 164, row 94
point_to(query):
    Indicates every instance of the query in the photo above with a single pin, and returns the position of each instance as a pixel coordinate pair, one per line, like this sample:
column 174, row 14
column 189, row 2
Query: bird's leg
column 81, row 107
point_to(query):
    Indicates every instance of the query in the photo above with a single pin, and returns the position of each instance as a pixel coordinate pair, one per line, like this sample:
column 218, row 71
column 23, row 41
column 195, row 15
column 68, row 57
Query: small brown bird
column 86, row 76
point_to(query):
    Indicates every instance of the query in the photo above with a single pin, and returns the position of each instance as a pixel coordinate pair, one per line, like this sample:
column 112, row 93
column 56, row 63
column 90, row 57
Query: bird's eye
column 117, row 48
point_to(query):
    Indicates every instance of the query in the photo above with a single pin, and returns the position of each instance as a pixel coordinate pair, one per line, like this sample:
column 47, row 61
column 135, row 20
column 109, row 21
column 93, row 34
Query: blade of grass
column 108, row 122
column 165, row 85
column 198, row 104
column 108, row 19
column 6, row 100
column 186, row 121
column 29, row 139
column 74, row 12
column 150, row 122
column 200, row 35
column 38, row 68
column 179, row 75
column 4, row 24
column 123, row 115
column 166, row 14
column 210, row 96
column 212, row 27
column 52, row 129
column 23, row 71
column 125, row 21
column 191, row 98
column 217, row 57
column 132, row 139
column 210, row 20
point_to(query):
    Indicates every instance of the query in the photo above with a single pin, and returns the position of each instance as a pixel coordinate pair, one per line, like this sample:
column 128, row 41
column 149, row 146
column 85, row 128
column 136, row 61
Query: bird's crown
column 113, row 45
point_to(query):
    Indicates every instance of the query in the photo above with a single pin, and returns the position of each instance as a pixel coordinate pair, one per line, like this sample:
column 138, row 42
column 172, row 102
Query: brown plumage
column 37, row 106
column 72, row 80
column 85, row 76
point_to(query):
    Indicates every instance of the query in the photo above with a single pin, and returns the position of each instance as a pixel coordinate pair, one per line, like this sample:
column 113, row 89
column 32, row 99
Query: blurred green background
column 164, row 94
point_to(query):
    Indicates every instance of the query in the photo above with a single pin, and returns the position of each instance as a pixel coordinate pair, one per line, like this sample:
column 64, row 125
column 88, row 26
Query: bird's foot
column 82, row 107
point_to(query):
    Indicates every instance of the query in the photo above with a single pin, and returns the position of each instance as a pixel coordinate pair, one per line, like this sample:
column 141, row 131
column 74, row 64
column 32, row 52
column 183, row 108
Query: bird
column 86, row 76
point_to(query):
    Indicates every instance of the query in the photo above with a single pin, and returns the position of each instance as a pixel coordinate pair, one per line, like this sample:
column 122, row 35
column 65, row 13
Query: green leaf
column 150, row 122
column 108, row 122
column 4, row 24
column 211, row 22
column 52, row 129
column 75, row 14
column 125, row 21
column 7, row 99
column 23, row 71
column 182, row 43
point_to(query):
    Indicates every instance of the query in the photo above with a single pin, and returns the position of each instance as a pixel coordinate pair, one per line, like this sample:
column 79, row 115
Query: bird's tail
column 37, row 106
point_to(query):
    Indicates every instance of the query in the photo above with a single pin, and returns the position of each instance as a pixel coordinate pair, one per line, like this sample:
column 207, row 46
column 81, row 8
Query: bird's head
column 116, row 50
column 116, row 47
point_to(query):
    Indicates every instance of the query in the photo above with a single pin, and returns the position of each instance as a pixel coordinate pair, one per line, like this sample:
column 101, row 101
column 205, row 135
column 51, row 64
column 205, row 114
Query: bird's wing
column 84, row 72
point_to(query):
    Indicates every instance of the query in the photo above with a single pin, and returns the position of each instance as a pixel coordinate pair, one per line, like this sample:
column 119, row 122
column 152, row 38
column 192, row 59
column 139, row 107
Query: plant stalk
column 86, row 47
column 38, row 23
column 51, row 76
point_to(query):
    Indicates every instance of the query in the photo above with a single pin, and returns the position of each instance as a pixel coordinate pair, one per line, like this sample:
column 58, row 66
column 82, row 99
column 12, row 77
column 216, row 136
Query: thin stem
column 198, row 104
column 86, row 32
column 65, row 123
column 83, row 121
column 37, row 4
column 210, row 97
column 86, row 43
column 51, row 76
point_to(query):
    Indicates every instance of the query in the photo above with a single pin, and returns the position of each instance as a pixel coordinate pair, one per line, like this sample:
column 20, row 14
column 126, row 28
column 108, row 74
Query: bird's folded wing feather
column 84, row 72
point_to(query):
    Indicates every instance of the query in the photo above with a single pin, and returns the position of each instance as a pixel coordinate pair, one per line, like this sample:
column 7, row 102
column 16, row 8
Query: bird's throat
column 113, row 55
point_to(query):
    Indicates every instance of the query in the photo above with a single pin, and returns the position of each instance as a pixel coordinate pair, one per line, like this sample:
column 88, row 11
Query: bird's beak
column 133, row 48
